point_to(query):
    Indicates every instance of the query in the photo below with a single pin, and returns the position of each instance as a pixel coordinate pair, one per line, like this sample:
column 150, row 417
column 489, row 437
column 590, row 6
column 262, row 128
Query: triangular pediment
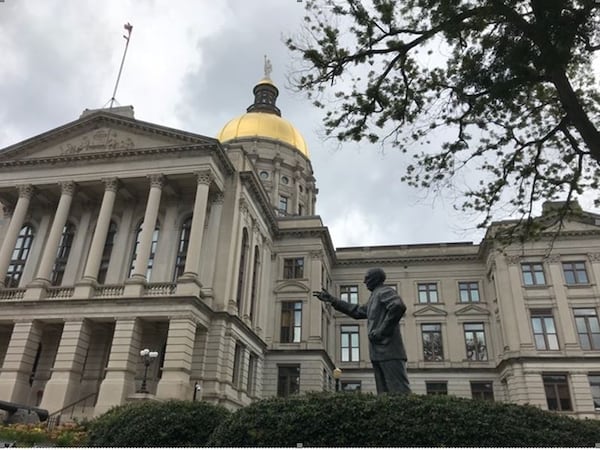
column 100, row 132
column 430, row 310
column 472, row 310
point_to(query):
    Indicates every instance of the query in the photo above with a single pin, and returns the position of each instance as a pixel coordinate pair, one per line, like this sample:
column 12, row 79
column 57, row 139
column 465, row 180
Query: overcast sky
column 192, row 65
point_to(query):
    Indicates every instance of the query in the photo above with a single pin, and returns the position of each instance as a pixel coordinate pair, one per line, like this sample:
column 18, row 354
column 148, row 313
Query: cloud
column 192, row 65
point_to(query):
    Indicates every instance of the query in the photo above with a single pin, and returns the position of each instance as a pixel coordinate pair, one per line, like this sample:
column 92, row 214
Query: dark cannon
column 17, row 413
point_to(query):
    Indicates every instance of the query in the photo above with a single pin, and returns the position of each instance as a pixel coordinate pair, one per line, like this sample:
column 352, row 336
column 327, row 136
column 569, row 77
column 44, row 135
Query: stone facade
column 118, row 235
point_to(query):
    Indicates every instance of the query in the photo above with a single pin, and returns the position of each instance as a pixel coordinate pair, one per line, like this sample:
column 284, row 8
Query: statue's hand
column 376, row 335
column 324, row 296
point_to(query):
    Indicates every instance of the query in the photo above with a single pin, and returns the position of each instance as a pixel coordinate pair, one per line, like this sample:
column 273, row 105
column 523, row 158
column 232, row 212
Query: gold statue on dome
column 268, row 67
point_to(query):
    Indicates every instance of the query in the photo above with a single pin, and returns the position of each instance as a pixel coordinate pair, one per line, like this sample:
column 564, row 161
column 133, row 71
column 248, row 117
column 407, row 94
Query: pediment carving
column 472, row 310
column 430, row 311
column 291, row 286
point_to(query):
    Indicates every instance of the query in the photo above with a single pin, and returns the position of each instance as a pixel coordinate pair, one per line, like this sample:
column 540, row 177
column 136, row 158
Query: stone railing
column 109, row 290
column 59, row 292
column 158, row 289
column 12, row 294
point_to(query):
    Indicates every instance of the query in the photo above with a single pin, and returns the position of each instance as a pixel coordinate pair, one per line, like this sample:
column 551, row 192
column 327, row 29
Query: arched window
column 19, row 256
column 138, row 234
column 243, row 257
column 254, row 288
column 108, row 246
column 182, row 248
column 62, row 255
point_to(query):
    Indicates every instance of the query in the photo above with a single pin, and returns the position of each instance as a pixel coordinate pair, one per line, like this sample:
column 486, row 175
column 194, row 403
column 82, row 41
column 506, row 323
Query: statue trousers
column 390, row 376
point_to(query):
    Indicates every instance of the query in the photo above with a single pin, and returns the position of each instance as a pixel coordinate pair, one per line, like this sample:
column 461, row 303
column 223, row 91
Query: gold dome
column 258, row 124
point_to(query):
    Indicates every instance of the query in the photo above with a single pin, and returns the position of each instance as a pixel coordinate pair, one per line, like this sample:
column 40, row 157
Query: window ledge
column 537, row 286
column 579, row 285
column 429, row 304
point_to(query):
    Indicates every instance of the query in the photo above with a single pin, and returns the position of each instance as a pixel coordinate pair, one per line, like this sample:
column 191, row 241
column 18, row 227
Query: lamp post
column 337, row 373
column 147, row 358
column 197, row 389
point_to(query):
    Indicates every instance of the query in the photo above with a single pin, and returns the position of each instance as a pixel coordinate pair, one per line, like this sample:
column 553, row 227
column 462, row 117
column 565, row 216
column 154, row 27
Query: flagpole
column 129, row 28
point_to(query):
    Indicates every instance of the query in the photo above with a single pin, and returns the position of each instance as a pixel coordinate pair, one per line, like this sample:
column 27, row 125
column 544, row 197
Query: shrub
column 29, row 435
column 156, row 424
column 363, row 420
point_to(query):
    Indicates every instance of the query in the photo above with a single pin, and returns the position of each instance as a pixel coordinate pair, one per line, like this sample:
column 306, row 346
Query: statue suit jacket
column 383, row 312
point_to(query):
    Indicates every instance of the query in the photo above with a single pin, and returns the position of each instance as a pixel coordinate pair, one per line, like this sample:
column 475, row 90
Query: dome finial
column 268, row 67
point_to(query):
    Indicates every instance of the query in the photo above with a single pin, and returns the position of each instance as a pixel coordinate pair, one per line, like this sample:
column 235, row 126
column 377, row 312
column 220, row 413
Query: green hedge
column 363, row 420
column 156, row 424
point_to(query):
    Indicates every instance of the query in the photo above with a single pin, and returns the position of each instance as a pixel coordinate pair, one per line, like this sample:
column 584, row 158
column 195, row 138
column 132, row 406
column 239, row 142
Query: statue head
column 374, row 278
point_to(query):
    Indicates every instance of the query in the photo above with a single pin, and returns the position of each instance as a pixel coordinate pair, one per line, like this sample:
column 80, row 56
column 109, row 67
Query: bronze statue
column 383, row 312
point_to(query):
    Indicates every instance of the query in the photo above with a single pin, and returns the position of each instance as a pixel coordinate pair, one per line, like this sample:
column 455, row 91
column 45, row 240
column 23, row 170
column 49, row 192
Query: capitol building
column 119, row 235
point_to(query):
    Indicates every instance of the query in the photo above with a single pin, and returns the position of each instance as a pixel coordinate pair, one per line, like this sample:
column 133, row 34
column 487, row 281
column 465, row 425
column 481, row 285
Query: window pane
column 581, row 326
column 537, row 325
column 527, row 278
column 552, row 342
column 540, row 343
column 594, row 326
column 549, row 323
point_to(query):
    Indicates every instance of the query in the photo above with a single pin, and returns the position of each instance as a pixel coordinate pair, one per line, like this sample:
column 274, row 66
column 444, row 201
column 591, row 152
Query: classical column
column 214, row 221
column 64, row 386
column 119, row 382
column 60, row 219
column 275, row 183
column 141, row 260
column 192, row 261
column 111, row 185
column 18, row 362
column 314, row 310
column 14, row 227
column 177, row 366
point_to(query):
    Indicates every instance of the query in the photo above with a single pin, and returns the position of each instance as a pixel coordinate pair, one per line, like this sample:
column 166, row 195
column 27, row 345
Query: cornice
column 407, row 259
column 320, row 232
column 120, row 154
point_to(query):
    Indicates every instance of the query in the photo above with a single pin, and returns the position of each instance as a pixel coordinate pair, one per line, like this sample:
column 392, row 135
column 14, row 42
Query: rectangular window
column 588, row 328
column 475, row 342
column 283, row 204
column 350, row 346
column 557, row 392
column 544, row 331
column 533, row 274
column 293, row 268
column 427, row 292
column 291, row 321
column 252, row 367
column 595, row 388
column 237, row 364
column 432, row 342
column 482, row 390
column 436, row 387
column 288, row 380
column 392, row 286
column 351, row 386
column 575, row 273
column 349, row 294
column 468, row 291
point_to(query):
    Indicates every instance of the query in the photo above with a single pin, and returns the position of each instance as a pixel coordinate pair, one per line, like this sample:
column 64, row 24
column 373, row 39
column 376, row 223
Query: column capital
column 25, row 190
column 111, row 184
column 218, row 198
column 204, row 177
column 157, row 180
column 67, row 187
